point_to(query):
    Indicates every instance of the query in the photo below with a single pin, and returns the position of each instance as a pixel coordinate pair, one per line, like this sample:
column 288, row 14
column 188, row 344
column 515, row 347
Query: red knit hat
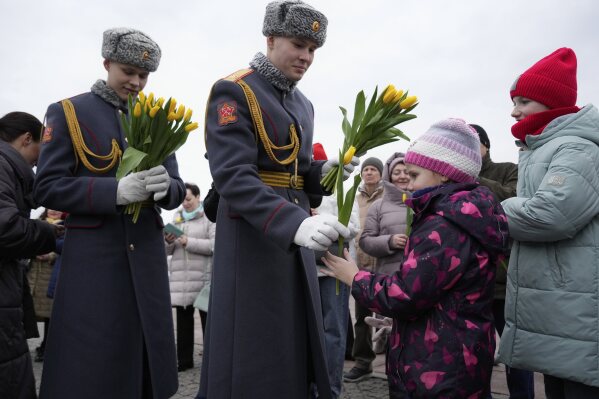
column 318, row 152
column 551, row 81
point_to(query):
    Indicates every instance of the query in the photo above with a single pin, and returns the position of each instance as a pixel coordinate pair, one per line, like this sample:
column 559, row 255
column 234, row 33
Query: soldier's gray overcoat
column 265, row 337
column 112, row 308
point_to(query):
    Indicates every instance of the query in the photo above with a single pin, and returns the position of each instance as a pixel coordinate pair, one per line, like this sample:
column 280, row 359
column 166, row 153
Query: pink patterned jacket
column 443, row 341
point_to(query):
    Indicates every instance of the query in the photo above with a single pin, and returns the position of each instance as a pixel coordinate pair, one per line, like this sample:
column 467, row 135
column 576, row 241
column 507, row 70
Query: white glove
column 132, row 188
column 158, row 182
column 319, row 232
column 384, row 325
column 347, row 169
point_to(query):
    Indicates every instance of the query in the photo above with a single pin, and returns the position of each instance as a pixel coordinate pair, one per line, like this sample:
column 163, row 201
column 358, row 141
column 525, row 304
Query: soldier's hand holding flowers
column 158, row 181
column 154, row 129
column 348, row 168
column 319, row 232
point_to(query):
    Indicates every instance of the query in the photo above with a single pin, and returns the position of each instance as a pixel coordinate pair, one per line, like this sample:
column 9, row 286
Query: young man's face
column 291, row 55
column 125, row 79
column 421, row 178
column 525, row 106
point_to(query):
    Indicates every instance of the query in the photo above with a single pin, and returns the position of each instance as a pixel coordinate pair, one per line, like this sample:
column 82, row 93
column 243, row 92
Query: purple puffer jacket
column 442, row 343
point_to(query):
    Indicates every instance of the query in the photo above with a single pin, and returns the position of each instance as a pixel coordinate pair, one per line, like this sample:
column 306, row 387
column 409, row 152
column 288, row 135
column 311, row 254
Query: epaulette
column 237, row 76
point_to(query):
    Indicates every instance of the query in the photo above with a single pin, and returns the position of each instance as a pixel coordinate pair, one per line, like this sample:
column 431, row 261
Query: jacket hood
column 584, row 123
column 394, row 194
column 22, row 168
column 390, row 164
column 471, row 207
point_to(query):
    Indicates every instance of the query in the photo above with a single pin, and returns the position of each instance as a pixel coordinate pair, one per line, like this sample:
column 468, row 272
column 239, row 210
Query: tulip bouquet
column 153, row 133
column 373, row 126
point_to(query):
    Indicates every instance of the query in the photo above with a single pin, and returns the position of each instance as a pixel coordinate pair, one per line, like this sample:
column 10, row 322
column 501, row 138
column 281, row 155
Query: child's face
column 422, row 178
column 525, row 106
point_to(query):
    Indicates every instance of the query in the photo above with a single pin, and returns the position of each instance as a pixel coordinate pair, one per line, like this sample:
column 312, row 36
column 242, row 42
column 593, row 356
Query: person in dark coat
column 112, row 333
column 20, row 238
column 502, row 179
column 264, row 335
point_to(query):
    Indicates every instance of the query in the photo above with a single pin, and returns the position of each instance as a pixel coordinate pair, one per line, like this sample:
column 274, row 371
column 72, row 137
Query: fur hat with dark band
column 294, row 18
column 131, row 47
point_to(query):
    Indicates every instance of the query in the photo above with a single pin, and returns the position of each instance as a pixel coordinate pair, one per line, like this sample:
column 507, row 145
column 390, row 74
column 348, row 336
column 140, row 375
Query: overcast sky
column 459, row 57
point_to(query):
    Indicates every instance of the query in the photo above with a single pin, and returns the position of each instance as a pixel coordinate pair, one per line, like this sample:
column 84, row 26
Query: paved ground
column 372, row 388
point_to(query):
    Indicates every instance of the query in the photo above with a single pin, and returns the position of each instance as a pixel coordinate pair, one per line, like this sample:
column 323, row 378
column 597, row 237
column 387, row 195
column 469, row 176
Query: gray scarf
column 272, row 74
column 106, row 93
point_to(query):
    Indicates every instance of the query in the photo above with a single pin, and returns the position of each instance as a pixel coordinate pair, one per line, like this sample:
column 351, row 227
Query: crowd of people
column 444, row 247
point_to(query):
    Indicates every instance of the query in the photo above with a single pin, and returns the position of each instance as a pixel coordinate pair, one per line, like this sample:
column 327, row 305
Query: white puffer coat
column 190, row 267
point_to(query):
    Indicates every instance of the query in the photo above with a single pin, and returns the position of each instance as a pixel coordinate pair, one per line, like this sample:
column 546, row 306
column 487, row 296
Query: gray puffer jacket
column 386, row 217
column 552, row 321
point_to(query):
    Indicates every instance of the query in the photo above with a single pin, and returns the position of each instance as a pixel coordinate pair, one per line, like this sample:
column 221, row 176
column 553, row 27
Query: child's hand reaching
column 343, row 269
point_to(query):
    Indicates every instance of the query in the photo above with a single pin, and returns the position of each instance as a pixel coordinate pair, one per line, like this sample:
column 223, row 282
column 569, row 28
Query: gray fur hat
column 131, row 47
column 294, row 18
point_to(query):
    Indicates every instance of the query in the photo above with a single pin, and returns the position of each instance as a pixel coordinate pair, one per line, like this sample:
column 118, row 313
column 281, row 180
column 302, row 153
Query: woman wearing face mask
column 190, row 268
column 20, row 238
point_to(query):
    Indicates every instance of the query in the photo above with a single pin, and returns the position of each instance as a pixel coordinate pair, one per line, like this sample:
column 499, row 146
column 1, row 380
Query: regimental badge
column 145, row 56
column 315, row 26
column 47, row 136
column 227, row 113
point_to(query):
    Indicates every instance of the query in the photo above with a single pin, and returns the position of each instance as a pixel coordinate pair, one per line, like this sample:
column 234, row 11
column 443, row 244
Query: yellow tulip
column 151, row 99
column 408, row 102
column 191, row 126
column 171, row 107
column 180, row 112
column 349, row 155
column 160, row 101
column 389, row 87
column 398, row 96
column 404, row 197
column 389, row 94
column 188, row 115
column 137, row 110
column 142, row 97
column 154, row 111
column 171, row 117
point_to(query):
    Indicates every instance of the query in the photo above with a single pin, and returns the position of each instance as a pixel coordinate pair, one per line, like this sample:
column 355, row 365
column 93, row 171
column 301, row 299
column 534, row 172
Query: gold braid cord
column 259, row 126
column 81, row 150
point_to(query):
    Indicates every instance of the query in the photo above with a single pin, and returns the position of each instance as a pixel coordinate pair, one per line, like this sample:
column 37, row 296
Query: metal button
column 131, row 247
column 296, row 200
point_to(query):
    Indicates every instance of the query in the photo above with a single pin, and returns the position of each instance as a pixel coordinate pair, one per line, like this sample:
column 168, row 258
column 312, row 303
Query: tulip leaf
column 131, row 160
column 339, row 182
column 350, row 196
column 371, row 108
column 398, row 133
column 345, row 126
column 359, row 110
